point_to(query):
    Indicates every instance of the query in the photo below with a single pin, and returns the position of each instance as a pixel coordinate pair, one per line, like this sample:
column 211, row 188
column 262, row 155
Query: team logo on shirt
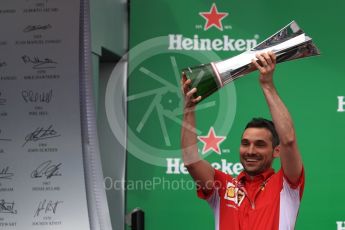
column 234, row 194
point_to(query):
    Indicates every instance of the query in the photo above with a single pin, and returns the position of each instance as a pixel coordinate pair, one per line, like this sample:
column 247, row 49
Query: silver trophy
column 289, row 43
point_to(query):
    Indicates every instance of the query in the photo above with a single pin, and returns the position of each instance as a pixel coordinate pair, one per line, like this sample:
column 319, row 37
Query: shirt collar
column 243, row 176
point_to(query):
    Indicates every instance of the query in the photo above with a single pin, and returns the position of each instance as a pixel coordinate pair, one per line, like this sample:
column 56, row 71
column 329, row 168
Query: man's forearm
column 189, row 138
column 280, row 115
column 201, row 171
column 289, row 154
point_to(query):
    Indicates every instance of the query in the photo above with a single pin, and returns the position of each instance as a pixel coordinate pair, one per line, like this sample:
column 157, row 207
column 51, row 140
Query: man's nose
column 251, row 149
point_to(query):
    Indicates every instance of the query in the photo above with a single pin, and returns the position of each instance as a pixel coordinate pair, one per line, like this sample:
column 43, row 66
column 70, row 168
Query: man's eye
column 244, row 143
column 261, row 144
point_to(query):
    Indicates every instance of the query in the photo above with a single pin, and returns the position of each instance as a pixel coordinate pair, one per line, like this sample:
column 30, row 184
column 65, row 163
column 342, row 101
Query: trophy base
column 204, row 78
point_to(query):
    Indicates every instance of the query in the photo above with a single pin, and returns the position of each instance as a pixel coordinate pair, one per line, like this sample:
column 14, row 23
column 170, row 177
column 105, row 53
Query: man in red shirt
column 259, row 198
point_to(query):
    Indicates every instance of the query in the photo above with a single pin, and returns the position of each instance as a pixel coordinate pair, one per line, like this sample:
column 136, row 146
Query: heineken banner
column 168, row 36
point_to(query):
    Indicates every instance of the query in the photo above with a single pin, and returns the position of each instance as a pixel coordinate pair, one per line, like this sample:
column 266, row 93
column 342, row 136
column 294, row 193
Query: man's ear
column 276, row 151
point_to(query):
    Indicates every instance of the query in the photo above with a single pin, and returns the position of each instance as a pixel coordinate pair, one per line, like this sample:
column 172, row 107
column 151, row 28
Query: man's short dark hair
column 260, row 122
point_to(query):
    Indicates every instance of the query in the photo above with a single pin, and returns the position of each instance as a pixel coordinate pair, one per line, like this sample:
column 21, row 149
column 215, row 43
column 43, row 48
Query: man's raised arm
column 290, row 157
column 201, row 171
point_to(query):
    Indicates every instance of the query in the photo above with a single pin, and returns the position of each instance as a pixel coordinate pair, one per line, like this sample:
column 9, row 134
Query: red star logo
column 213, row 18
column 211, row 141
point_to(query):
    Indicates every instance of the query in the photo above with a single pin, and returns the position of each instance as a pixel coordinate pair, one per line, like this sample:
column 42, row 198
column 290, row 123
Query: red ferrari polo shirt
column 266, row 202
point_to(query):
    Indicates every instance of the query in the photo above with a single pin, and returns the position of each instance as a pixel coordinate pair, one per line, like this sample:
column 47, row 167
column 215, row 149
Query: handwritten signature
column 31, row 96
column 7, row 207
column 5, row 174
column 46, row 169
column 30, row 28
column 41, row 133
column 47, row 63
column 47, row 207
